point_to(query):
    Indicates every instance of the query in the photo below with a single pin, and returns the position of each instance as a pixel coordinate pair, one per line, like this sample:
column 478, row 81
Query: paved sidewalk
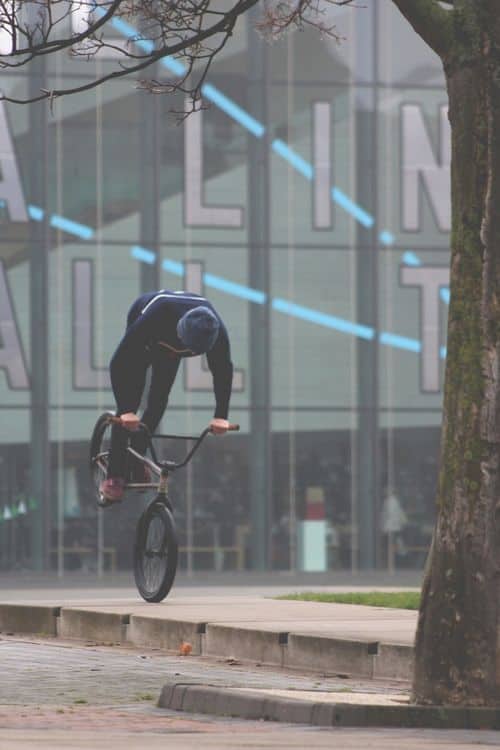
column 227, row 606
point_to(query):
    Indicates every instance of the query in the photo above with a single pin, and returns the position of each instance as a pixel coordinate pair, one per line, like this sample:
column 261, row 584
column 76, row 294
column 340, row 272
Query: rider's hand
column 219, row 426
column 130, row 420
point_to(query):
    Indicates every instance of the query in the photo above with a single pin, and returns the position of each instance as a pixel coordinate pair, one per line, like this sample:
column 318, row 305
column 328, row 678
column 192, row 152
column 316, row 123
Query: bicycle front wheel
column 155, row 552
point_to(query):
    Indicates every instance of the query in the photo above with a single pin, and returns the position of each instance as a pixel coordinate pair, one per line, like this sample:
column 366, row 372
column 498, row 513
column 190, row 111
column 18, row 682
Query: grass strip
column 394, row 599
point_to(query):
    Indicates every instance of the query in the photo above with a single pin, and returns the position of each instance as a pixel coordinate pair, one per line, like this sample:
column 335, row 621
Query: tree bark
column 458, row 635
column 430, row 21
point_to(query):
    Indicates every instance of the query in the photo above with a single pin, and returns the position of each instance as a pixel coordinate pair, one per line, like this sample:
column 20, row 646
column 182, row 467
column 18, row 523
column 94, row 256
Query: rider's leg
column 112, row 487
column 118, row 452
column 119, row 437
column 164, row 371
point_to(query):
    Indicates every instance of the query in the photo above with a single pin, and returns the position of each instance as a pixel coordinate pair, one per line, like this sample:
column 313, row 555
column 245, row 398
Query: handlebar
column 171, row 465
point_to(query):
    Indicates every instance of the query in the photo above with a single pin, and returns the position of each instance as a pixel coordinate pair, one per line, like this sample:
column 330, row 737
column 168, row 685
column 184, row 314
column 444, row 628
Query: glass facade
column 310, row 202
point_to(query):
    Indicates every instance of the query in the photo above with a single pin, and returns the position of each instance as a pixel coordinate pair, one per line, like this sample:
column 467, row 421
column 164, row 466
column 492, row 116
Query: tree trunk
column 458, row 636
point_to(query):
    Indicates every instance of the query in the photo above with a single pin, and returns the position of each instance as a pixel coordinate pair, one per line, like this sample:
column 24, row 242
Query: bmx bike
column 156, row 545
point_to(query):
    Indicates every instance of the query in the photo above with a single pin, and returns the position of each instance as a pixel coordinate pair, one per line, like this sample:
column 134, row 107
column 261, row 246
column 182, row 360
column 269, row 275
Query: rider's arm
column 219, row 362
column 130, row 361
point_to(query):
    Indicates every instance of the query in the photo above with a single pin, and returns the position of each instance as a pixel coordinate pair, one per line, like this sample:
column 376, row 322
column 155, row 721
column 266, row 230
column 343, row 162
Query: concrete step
column 317, row 645
column 326, row 709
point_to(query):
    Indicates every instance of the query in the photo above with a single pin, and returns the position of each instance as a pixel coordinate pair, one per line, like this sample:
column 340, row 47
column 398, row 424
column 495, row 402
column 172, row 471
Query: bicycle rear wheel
column 155, row 551
column 100, row 444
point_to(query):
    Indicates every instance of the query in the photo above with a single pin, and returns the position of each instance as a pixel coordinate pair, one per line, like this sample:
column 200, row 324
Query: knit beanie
column 198, row 329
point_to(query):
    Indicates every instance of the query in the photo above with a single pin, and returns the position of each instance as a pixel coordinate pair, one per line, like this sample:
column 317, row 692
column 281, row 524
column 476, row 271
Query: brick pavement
column 120, row 675
column 64, row 696
column 49, row 686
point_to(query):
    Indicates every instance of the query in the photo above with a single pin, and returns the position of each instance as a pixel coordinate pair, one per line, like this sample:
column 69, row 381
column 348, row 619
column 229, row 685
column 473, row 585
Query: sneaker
column 111, row 491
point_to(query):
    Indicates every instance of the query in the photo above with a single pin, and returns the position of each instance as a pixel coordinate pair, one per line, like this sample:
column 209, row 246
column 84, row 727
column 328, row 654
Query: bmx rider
column 162, row 328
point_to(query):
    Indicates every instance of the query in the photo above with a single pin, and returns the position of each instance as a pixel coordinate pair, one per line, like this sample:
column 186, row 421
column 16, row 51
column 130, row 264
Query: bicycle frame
column 161, row 468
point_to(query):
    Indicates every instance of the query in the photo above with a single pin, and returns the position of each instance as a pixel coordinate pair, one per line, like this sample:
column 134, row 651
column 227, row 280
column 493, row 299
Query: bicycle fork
column 163, row 483
column 166, row 468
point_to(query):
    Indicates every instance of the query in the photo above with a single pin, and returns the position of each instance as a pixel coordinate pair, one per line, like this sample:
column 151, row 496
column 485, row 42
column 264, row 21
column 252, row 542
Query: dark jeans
column 163, row 372
column 118, row 459
column 164, row 368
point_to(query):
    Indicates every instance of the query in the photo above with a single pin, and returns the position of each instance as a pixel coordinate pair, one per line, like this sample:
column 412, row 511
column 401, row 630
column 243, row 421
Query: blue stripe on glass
column 289, row 308
column 400, row 342
column 411, row 259
column 71, row 227
column 140, row 253
column 175, row 67
column 208, row 90
column 173, row 266
column 147, row 45
column 238, row 290
column 445, row 295
column 300, row 164
column 352, row 208
column 123, row 27
column 233, row 110
column 386, row 238
column 257, row 128
column 442, row 352
column 36, row 213
column 322, row 319
column 148, row 256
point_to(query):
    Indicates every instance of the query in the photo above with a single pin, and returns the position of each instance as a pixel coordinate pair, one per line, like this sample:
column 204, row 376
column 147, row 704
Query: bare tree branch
column 224, row 25
column 279, row 18
column 47, row 46
column 193, row 30
column 431, row 22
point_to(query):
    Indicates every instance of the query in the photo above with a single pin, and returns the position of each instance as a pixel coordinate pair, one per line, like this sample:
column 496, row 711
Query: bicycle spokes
column 155, row 554
column 155, row 543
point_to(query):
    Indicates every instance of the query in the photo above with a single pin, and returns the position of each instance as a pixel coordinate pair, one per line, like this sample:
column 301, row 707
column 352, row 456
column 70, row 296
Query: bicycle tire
column 155, row 552
column 97, row 447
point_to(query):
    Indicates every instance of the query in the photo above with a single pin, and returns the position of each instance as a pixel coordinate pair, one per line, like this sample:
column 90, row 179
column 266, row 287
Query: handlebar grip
column 231, row 428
